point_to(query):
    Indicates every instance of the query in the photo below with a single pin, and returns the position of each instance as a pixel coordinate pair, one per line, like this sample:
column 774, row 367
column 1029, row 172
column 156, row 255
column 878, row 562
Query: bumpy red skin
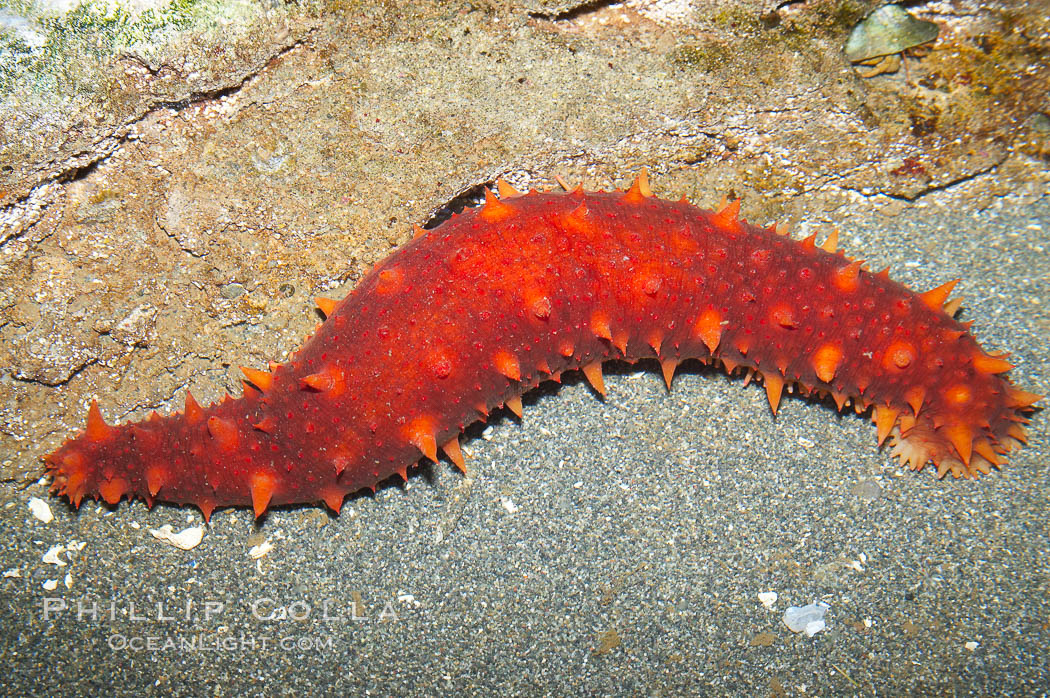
column 424, row 346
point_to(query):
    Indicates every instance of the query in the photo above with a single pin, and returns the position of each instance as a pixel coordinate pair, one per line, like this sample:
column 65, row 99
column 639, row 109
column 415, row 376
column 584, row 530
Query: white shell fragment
column 886, row 31
column 186, row 539
column 41, row 510
column 260, row 550
column 808, row 619
column 51, row 557
column 767, row 598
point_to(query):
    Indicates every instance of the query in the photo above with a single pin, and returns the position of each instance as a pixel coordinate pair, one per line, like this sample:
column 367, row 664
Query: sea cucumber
column 468, row 316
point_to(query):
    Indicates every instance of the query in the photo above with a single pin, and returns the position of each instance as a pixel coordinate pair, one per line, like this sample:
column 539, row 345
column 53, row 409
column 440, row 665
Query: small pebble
column 808, row 619
column 40, row 509
column 868, row 490
column 186, row 539
column 231, row 290
column 258, row 551
column 1039, row 122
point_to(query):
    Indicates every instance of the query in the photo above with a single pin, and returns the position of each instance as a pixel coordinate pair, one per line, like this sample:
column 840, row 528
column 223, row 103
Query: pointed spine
column 260, row 379
column 326, row 305
column 455, row 453
column 935, row 297
column 593, row 372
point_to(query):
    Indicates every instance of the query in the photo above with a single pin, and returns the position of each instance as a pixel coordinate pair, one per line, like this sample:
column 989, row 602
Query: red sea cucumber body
column 468, row 316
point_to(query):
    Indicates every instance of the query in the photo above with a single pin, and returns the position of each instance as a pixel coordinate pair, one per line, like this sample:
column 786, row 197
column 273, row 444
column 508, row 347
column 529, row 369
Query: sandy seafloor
column 598, row 548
